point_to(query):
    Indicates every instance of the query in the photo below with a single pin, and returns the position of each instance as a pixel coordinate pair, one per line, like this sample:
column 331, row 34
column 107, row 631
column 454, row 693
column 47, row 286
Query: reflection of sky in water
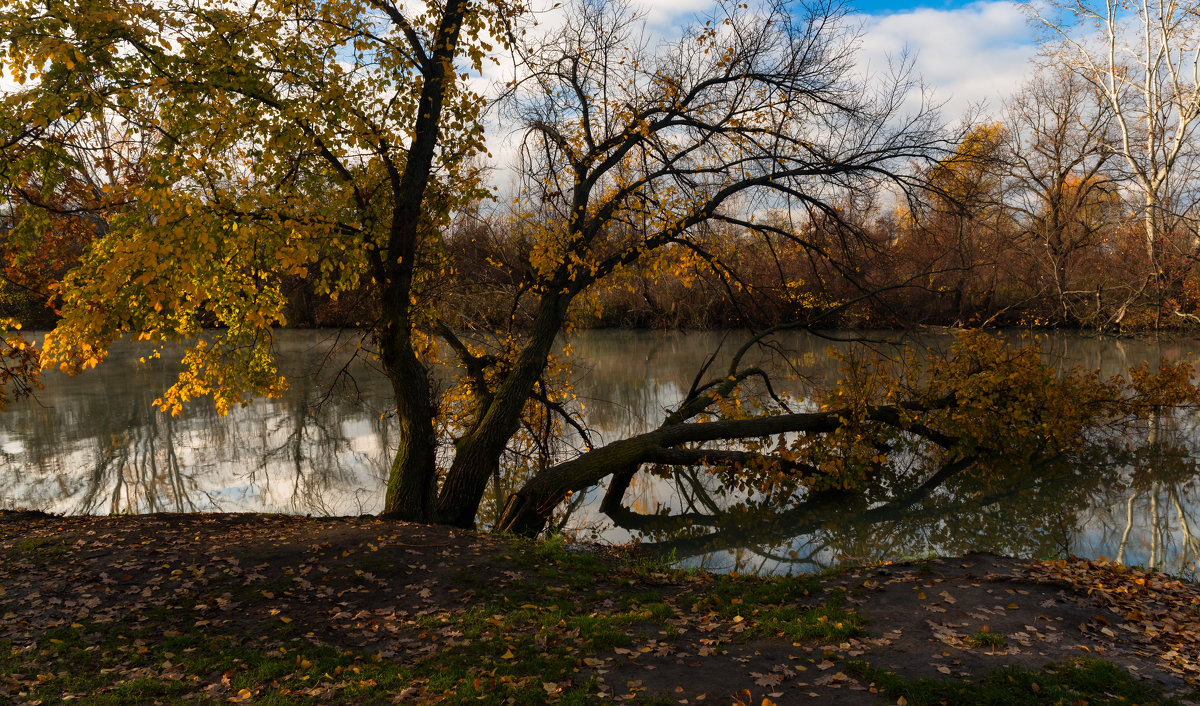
column 95, row 444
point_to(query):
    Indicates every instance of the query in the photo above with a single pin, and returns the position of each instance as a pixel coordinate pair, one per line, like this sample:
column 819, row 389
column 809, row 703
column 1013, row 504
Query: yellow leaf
column 507, row 655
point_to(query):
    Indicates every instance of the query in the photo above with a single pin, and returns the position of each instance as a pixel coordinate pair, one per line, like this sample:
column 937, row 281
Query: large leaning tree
column 336, row 139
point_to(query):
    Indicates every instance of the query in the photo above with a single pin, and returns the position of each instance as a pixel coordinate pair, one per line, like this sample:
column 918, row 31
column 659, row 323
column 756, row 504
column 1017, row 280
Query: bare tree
column 1143, row 58
column 1061, row 187
column 635, row 152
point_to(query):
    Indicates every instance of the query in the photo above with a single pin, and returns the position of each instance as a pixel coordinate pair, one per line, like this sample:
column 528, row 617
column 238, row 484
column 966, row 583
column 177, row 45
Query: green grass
column 831, row 621
column 1078, row 682
column 775, row 606
column 519, row 640
column 728, row 595
column 44, row 550
column 991, row 640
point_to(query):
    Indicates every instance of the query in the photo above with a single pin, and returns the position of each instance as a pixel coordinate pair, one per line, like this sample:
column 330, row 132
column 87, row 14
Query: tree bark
column 478, row 453
column 412, row 481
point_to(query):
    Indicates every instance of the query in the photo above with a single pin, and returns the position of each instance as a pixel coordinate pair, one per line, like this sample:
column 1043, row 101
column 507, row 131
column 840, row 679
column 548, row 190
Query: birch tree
column 1144, row 60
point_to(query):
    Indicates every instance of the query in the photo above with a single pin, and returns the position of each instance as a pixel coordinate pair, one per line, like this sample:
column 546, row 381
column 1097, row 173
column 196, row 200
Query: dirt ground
column 365, row 585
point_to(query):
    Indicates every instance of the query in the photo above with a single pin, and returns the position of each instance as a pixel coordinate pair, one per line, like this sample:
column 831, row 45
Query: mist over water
column 96, row 444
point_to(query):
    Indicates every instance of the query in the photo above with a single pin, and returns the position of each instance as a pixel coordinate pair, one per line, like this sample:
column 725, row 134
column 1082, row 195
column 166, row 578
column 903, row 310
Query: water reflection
column 96, row 444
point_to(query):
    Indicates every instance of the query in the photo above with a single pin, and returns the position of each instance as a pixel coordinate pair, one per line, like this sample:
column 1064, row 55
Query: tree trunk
column 1152, row 253
column 478, row 453
column 527, row 511
column 412, row 481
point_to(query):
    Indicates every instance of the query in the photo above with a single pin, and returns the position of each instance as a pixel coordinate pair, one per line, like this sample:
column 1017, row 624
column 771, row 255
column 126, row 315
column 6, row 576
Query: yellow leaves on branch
column 230, row 369
column 19, row 364
column 990, row 398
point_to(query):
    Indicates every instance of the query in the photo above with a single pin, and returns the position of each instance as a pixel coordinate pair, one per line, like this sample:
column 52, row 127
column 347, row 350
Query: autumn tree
column 61, row 182
column 1143, row 60
column 1063, row 192
column 290, row 136
column 335, row 139
column 959, row 228
column 634, row 153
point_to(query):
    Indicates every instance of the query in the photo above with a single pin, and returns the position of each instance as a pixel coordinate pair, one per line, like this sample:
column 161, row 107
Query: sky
column 969, row 53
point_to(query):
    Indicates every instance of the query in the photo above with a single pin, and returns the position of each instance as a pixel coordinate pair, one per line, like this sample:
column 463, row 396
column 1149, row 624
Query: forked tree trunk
column 477, row 455
column 412, row 482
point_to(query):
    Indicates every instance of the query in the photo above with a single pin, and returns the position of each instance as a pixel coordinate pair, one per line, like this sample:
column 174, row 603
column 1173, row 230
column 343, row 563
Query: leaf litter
column 241, row 608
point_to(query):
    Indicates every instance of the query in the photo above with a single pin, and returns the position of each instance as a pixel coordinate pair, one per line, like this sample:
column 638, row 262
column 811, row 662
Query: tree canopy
column 220, row 149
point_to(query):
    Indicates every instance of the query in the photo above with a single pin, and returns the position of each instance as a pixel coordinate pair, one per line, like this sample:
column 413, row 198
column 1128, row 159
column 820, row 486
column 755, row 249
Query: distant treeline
column 1033, row 219
column 945, row 266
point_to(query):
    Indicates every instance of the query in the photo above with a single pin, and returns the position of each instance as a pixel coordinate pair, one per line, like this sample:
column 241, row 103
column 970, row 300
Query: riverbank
column 283, row 609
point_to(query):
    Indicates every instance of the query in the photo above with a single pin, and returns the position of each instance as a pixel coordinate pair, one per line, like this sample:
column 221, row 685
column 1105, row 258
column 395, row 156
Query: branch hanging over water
column 528, row 508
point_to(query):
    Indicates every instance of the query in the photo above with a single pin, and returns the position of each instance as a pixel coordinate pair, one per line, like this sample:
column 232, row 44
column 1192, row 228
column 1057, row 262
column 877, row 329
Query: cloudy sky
column 971, row 55
column 968, row 52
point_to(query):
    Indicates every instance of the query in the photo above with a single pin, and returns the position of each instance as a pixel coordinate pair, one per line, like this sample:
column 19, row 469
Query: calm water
column 95, row 444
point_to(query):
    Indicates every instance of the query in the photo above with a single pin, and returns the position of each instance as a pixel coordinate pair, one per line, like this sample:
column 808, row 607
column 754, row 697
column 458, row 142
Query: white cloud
column 970, row 55
column 976, row 54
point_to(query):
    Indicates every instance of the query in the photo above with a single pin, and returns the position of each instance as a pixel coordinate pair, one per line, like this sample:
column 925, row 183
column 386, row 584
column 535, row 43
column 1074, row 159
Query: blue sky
column 890, row 6
column 969, row 53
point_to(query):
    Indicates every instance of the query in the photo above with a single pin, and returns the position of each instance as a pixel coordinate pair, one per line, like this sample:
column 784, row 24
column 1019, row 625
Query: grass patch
column 990, row 640
column 832, row 621
column 773, row 603
column 729, row 595
column 1076, row 681
column 46, row 549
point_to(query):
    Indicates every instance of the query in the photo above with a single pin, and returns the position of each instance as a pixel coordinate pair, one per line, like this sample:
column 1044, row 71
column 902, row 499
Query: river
column 95, row 444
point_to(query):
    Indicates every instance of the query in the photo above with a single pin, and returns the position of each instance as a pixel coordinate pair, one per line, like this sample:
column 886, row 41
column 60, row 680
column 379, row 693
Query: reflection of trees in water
column 109, row 450
column 316, row 449
column 138, row 470
column 1061, row 506
column 1154, row 519
column 627, row 378
column 97, row 444
column 1039, row 511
